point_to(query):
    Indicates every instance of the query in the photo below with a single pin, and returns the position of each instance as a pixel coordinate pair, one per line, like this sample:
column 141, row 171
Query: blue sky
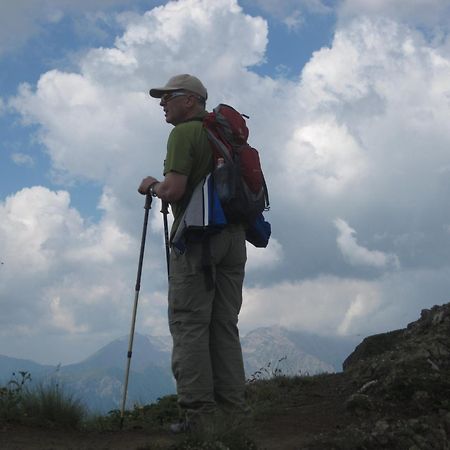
column 349, row 106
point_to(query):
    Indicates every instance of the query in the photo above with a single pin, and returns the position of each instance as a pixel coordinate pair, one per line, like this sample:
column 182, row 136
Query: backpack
column 234, row 192
column 238, row 177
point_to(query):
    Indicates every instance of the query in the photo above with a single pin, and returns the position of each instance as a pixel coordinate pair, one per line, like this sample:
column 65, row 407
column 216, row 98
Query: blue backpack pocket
column 259, row 232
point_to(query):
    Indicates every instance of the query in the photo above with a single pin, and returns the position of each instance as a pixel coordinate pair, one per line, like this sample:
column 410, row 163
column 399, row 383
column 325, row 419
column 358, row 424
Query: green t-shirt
column 188, row 153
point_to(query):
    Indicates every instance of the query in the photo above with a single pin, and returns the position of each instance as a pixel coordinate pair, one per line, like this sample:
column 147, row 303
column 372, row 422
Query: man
column 207, row 358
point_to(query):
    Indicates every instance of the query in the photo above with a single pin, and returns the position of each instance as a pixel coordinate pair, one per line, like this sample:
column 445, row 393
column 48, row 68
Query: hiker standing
column 204, row 302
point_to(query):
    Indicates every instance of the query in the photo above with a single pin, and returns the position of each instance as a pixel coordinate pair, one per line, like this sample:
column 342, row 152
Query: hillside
column 394, row 393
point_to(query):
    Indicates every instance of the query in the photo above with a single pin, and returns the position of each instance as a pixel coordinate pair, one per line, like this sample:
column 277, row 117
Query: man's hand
column 171, row 189
column 145, row 185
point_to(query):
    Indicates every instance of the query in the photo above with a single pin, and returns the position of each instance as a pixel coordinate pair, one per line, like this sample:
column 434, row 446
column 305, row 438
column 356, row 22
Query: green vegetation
column 273, row 397
column 222, row 432
column 268, row 371
column 45, row 405
column 50, row 407
column 149, row 417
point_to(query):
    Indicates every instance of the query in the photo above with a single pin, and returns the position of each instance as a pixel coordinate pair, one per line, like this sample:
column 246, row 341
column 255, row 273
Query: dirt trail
column 20, row 438
column 315, row 408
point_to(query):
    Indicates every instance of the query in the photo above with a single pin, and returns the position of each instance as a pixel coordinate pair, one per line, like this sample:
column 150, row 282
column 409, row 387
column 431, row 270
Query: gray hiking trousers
column 207, row 357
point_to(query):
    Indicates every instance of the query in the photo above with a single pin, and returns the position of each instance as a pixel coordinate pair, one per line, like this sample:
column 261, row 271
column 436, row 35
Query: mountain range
column 97, row 381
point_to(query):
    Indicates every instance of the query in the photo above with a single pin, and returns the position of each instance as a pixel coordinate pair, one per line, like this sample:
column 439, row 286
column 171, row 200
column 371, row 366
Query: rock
column 373, row 346
column 401, row 387
column 359, row 404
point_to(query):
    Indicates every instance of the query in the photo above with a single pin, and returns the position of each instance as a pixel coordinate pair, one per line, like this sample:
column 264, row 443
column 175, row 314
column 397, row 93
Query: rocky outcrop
column 400, row 388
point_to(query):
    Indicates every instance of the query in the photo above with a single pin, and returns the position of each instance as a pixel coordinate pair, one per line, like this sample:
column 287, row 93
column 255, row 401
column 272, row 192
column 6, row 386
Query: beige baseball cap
column 183, row 81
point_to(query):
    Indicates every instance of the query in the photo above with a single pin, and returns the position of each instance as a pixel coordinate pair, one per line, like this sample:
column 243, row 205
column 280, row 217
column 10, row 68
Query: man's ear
column 191, row 103
column 191, row 100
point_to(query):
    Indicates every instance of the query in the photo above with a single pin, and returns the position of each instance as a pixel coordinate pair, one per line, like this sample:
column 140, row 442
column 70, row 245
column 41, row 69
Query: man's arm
column 171, row 189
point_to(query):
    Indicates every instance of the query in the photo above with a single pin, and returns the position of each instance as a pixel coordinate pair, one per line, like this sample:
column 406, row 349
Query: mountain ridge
column 98, row 379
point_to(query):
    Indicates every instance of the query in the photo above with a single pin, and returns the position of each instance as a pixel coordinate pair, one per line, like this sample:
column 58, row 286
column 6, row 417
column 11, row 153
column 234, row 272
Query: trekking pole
column 147, row 207
column 165, row 211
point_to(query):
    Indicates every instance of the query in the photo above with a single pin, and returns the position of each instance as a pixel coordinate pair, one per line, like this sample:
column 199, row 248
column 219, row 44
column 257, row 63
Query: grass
column 221, row 434
column 149, row 417
column 45, row 405
column 49, row 406
column 264, row 390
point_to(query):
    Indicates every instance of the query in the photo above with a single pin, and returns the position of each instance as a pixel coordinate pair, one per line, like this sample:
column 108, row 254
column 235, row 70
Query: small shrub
column 49, row 405
column 11, row 397
column 44, row 405
column 267, row 372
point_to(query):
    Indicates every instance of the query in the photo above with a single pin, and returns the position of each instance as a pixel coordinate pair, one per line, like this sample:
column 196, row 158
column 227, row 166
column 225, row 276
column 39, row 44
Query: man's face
column 175, row 107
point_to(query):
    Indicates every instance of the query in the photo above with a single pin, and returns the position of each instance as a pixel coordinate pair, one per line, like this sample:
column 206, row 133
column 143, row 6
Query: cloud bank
column 361, row 134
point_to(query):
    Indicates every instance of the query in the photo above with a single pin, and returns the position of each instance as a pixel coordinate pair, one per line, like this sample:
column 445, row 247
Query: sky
column 349, row 105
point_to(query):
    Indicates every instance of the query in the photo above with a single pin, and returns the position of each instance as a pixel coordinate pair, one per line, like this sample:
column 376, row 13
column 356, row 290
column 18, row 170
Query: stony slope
column 400, row 388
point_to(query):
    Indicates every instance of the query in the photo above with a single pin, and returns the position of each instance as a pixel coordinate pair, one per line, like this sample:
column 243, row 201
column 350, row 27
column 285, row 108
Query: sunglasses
column 167, row 97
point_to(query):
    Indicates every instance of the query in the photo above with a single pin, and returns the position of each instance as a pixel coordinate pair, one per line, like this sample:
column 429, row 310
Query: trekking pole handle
column 148, row 200
column 164, row 207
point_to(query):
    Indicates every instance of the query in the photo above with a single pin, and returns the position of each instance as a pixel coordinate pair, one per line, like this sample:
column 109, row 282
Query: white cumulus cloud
column 323, row 305
column 323, row 155
column 264, row 258
column 424, row 12
column 356, row 254
column 60, row 272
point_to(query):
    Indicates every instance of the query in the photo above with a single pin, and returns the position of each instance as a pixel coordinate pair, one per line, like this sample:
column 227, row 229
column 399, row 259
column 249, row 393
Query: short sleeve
column 179, row 156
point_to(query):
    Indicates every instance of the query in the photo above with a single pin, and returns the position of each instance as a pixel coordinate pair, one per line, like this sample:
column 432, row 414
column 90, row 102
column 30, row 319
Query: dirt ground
column 315, row 408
